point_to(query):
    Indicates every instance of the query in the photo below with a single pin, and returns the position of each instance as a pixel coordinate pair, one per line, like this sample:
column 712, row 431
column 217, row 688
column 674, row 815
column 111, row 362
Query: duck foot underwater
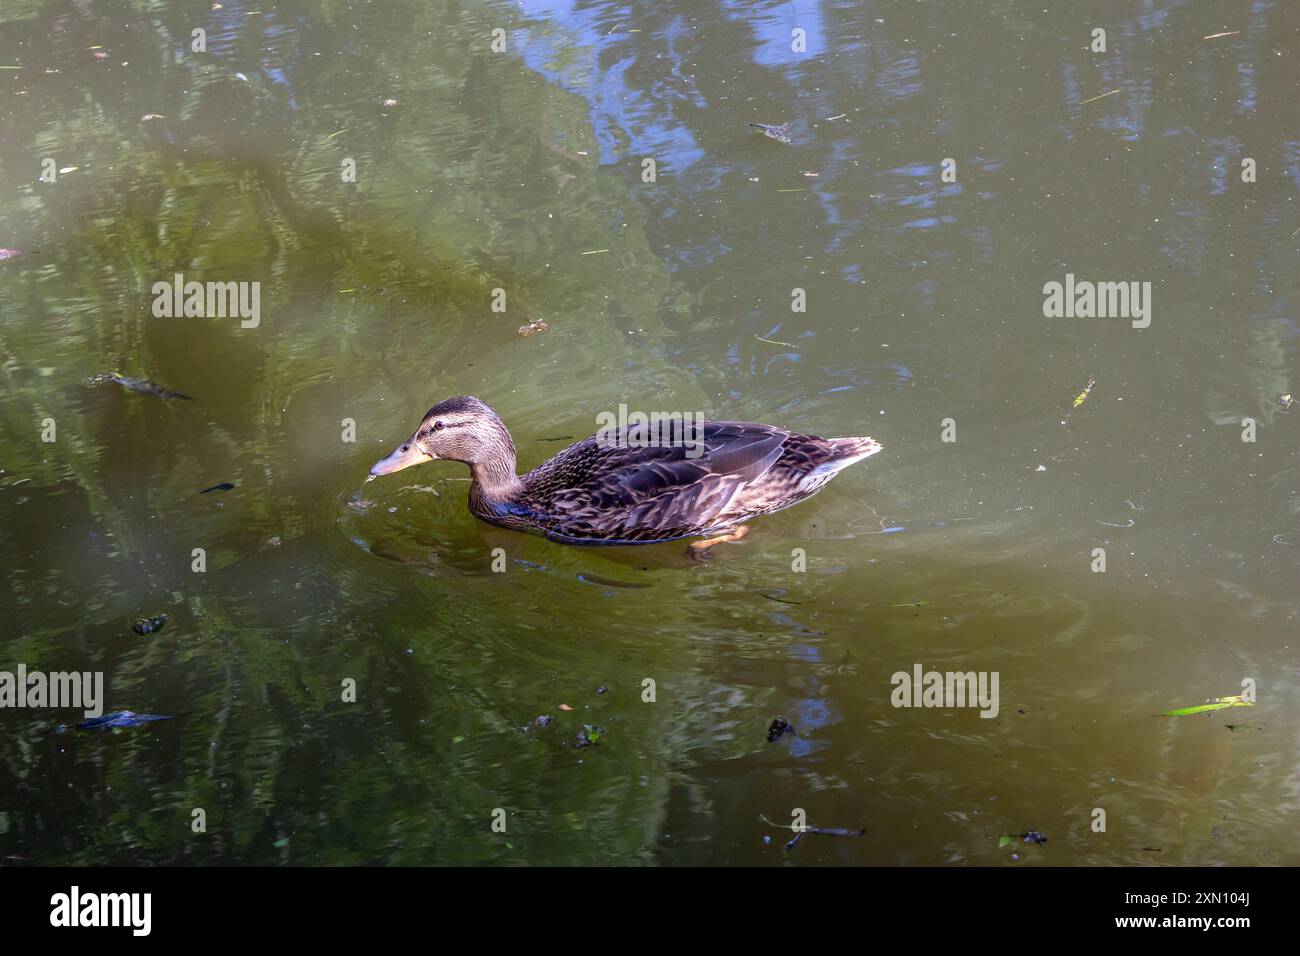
column 699, row 550
column 626, row 486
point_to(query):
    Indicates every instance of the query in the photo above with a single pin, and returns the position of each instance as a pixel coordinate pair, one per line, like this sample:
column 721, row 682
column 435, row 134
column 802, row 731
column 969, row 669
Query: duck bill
column 406, row 455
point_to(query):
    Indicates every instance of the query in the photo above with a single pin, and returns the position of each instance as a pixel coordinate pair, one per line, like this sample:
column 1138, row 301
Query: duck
column 626, row 486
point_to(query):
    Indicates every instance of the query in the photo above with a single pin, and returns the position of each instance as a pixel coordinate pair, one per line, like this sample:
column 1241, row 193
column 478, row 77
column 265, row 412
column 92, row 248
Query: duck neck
column 496, row 478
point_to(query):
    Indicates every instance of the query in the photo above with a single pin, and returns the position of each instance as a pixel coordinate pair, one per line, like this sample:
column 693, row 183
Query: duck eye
column 438, row 426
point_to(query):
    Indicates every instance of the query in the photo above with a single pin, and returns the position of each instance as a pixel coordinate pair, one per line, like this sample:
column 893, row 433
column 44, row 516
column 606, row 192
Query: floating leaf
column 149, row 625
column 136, row 385
column 779, row 727
column 119, row 718
column 1083, row 396
column 1218, row 703
column 588, row 735
column 780, row 133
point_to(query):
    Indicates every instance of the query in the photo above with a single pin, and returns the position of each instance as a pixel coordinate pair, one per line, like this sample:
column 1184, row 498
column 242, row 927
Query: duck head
column 457, row 429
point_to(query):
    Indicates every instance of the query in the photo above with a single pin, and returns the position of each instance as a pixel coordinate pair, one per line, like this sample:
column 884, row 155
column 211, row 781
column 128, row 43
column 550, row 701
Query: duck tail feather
column 850, row 450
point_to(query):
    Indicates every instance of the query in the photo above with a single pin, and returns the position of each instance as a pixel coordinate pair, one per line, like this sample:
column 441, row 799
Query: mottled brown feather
column 596, row 492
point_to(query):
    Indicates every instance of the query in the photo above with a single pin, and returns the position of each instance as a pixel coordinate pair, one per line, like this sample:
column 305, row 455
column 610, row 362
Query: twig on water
column 802, row 831
column 1095, row 98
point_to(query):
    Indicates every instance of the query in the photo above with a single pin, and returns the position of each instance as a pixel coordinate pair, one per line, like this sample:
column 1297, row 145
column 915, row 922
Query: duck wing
column 598, row 490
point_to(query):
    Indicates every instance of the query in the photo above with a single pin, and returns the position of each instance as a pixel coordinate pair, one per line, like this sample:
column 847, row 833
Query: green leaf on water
column 457, row 739
column 1004, row 840
column 1219, row 703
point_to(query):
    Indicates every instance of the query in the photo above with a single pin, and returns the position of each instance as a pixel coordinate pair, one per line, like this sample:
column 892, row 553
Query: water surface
column 523, row 170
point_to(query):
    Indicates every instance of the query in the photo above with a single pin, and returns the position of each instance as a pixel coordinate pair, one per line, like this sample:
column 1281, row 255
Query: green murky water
column 524, row 170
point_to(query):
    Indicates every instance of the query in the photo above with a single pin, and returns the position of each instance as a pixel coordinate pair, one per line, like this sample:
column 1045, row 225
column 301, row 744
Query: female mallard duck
column 613, row 489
